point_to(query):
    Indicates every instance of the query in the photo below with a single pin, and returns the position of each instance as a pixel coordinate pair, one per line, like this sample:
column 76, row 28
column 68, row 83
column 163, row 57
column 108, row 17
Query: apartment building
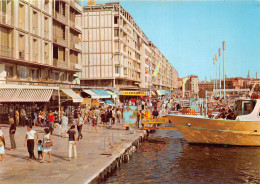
column 115, row 50
column 40, row 41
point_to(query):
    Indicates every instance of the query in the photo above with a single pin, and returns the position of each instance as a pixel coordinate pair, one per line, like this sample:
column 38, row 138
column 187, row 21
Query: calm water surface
column 167, row 158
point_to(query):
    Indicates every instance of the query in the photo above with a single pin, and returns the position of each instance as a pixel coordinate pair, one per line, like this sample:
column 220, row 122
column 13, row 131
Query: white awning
column 25, row 93
column 75, row 97
column 92, row 94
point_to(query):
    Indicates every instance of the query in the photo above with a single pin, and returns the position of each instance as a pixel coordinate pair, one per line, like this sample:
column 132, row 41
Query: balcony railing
column 5, row 51
column 60, row 17
column 60, row 63
column 5, row 18
column 60, row 39
column 46, row 34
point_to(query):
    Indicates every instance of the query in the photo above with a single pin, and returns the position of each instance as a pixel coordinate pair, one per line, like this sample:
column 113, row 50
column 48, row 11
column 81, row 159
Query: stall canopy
column 75, row 97
column 92, row 94
column 102, row 93
column 112, row 94
column 162, row 92
column 116, row 92
column 18, row 93
column 109, row 102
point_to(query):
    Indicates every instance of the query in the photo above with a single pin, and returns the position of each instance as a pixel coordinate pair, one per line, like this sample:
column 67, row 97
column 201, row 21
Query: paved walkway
column 17, row 169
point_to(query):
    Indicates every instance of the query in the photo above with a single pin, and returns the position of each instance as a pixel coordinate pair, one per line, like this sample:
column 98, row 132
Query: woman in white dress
column 47, row 138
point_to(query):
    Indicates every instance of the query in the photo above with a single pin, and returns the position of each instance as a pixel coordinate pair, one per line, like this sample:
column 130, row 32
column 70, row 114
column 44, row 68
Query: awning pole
column 59, row 102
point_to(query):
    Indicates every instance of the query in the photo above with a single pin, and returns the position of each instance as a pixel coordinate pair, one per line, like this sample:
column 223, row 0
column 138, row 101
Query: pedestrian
column 47, row 144
column 17, row 116
column 2, row 149
column 97, row 114
column 40, row 116
column 12, row 133
column 113, row 116
column 109, row 115
column 64, row 124
column 118, row 115
column 23, row 116
column 51, row 121
column 155, row 113
column 103, row 117
column 2, row 136
column 39, row 148
column 80, row 123
column 94, row 123
column 72, row 142
column 29, row 140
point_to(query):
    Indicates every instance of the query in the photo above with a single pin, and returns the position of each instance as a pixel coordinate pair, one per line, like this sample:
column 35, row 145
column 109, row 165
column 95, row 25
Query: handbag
column 48, row 144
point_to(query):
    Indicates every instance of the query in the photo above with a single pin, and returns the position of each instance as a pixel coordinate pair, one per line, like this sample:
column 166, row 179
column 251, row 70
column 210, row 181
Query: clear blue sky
column 190, row 33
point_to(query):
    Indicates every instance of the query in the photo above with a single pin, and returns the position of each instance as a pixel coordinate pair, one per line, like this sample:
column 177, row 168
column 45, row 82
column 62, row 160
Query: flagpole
column 150, row 81
column 224, row 77
column 219, row 54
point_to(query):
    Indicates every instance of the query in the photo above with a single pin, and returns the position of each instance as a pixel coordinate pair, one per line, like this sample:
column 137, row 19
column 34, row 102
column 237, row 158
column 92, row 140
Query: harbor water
column 167, row 158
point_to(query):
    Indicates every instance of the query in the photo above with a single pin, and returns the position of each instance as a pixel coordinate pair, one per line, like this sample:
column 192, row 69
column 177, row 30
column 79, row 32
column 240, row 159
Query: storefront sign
column 146, row 114
column 134, row 93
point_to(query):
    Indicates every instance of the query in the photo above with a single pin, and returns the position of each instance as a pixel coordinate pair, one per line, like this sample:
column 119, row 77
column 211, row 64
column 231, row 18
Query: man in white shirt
column 29, row 139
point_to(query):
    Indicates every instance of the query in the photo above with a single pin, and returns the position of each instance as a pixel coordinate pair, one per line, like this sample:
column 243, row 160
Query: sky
column 189, row 34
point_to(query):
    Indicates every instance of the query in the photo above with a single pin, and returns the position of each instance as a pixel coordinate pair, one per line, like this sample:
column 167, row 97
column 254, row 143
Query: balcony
column 60, row 63
column 59, row 39
column 5, row 51
column 34, row 30
column 60, row 17
column 46, row 34
column 5, row 18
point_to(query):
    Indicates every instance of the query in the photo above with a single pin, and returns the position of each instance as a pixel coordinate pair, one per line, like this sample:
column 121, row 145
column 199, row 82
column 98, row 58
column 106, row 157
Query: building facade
column 115, row 50
column 40, row 41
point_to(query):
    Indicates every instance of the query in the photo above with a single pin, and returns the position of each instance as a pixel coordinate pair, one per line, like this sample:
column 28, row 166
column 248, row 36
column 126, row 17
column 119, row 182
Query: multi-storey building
column 115, row 50
column 40, row 41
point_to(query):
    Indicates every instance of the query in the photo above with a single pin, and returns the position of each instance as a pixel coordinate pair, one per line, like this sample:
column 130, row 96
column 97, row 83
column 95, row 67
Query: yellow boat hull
column 217, row 131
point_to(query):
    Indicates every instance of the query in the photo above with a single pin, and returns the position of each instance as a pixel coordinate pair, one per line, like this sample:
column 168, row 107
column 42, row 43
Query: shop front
column 30, row 98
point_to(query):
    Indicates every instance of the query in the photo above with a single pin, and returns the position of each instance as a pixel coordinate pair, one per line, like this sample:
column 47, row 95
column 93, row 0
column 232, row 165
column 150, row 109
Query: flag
column 79, row 38
column 147, row 59
column 146, row 72
column 219, row 53
column 156, row 70
column 213, row 60
column 223, row 45
column 216, row 57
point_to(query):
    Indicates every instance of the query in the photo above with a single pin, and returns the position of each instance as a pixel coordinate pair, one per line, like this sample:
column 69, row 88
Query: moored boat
column 243, row 131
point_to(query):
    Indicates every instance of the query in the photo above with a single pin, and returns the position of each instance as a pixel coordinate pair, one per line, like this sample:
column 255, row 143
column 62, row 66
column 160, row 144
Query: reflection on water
column 167, row 158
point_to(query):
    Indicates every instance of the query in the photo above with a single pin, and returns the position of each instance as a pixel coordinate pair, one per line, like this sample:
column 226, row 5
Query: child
column 2, row 149
column 39, row 148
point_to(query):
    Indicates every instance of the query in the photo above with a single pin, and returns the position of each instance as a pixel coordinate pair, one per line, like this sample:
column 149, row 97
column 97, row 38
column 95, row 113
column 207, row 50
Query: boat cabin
column 248, row 109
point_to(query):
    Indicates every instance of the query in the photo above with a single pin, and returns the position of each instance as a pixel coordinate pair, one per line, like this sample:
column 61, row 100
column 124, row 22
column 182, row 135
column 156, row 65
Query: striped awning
column 75, row 97
column 25, row 95
column 91, row 93
column 102, row 93
column 112, row 94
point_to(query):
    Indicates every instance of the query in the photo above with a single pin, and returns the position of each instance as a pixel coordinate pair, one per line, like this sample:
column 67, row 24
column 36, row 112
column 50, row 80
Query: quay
column 99, row 155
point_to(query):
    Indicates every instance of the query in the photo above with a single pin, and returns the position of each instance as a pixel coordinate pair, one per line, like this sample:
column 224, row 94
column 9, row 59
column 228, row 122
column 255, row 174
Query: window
column 115, row 20
column 21, row 16
column 9, row 71
column 116, row 33
column 116, row 69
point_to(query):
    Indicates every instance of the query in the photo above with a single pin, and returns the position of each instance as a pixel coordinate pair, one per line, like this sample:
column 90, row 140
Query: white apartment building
column 115, row 50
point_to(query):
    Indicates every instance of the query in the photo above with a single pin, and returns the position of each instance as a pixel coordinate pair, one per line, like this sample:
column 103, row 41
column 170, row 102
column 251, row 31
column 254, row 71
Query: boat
column 243, row 131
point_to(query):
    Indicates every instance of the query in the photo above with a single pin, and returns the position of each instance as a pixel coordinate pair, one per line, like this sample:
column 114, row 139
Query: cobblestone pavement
column 17, row 169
